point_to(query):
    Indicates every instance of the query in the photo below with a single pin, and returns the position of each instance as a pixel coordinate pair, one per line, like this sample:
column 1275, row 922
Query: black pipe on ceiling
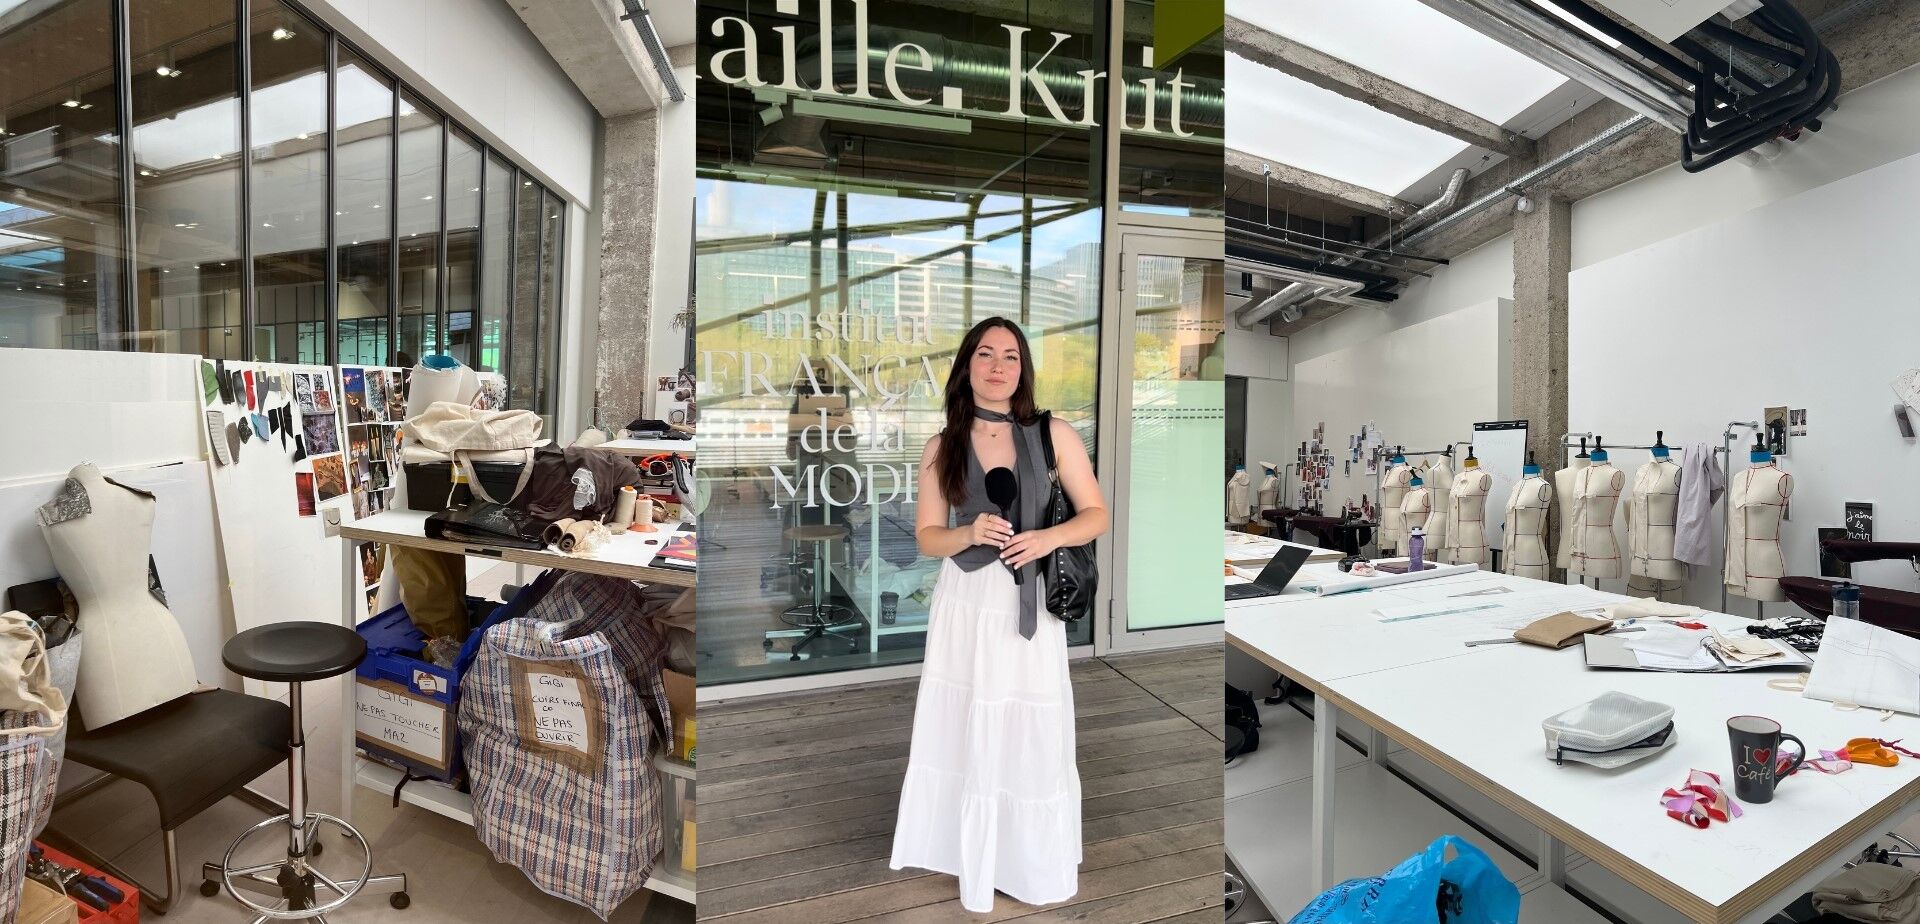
column 1733, row 111
column 1379, row 287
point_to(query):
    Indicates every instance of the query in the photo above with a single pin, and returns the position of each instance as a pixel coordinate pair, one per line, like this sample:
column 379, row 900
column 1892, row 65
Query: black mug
column 1758, row 765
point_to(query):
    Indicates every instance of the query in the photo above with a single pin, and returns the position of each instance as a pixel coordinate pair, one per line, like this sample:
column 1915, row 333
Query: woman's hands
column 988, row 529
column 1029, row 546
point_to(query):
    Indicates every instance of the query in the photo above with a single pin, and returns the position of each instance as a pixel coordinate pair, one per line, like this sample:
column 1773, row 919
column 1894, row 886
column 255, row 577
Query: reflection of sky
column 732, row 209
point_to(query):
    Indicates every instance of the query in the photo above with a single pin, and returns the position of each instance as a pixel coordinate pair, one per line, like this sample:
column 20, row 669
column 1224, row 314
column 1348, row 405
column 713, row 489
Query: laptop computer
column 1274, row 577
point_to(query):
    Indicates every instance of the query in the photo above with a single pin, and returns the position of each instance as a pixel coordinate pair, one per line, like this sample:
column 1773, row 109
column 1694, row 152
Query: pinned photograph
column 323, row 436
column 397, row 396
column 303, row 489
column 329, row 477
column 353, row 386
column 376, row 388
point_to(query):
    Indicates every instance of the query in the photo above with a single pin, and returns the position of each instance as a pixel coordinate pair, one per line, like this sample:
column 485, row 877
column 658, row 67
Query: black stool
column 294, row 653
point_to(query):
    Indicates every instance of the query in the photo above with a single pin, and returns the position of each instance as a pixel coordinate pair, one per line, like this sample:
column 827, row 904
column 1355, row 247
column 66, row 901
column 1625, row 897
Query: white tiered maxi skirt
column 992, row 794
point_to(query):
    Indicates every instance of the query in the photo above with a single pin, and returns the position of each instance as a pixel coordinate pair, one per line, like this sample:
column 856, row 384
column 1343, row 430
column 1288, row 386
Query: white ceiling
column 1410, row 43
column 674, row 20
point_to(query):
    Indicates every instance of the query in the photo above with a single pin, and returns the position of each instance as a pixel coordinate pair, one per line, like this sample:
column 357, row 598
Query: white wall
column 477, row 59
column 672, row 230
column 1425, row 368
column 1264, row 361
column 1804, row 300
column 1874, row 125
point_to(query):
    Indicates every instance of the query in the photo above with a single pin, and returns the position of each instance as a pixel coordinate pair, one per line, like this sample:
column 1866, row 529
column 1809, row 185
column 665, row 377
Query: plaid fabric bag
column 24, row 785
column 583, row 823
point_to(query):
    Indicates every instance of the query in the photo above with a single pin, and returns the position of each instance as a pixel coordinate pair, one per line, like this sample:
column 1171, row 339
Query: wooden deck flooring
column 797, row 800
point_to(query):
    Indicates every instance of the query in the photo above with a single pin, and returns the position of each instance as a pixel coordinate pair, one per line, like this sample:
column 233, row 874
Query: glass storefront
column 356, row 224
column 847, row 241
column 869, row 188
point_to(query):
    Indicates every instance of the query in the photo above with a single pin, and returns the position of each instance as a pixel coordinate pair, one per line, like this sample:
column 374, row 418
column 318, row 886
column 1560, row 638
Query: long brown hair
column 957, row 439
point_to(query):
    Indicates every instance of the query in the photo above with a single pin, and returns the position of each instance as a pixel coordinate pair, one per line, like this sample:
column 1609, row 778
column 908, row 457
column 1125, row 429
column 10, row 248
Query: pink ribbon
column 1701, row 801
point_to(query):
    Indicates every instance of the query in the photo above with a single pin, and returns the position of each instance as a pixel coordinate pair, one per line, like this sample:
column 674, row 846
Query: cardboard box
column 680, row 707
column 42, row 905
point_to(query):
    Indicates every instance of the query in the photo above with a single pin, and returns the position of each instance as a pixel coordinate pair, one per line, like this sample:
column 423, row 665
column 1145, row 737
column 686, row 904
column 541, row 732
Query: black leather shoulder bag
column 1071, row 575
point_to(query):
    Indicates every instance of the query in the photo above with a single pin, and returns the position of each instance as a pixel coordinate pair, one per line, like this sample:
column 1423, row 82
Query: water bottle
column 1417, row 550
column 1846, row 600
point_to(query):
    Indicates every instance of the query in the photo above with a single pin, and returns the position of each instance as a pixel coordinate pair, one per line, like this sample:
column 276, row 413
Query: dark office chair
column 189, row 754
column 294, row 653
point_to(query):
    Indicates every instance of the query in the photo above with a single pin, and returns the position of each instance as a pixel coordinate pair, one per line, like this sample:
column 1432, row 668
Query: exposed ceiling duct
column 1255, row 312
column 1330, row 286
column 1719, row 109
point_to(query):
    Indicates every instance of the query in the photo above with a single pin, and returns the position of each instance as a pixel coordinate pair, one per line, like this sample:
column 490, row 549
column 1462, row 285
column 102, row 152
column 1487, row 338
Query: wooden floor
column 798, row 793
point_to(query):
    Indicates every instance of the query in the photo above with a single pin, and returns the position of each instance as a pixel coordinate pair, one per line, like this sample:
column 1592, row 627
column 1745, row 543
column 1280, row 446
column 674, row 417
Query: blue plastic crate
column 404, row 705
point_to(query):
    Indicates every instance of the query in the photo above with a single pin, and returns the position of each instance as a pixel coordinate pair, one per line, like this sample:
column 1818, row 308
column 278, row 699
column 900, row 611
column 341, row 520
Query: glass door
column 1170, row 395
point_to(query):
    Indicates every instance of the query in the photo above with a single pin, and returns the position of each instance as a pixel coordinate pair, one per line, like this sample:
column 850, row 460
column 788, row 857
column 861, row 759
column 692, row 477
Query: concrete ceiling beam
column 599, row 52
column 1330, row 73
column 1250, row 174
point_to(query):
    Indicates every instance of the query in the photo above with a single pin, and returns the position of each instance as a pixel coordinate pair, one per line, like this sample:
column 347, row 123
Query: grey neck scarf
column 1030, row 469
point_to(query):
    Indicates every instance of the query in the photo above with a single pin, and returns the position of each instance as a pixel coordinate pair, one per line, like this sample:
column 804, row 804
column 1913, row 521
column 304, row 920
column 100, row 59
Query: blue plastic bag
column 1426, row 888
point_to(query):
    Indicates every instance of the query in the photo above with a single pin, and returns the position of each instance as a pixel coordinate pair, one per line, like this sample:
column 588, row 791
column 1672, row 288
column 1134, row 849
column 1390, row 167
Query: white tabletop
column 636, row 447
column 627, row 554
column 1249, row 547
column 1476, row 712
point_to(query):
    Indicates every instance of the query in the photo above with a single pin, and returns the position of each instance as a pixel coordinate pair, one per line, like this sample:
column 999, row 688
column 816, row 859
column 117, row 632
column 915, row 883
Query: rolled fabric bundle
column 623, row 507
column 576, row 535
column 556, row 532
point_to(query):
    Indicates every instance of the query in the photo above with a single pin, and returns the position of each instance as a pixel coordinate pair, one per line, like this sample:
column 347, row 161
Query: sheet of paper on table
column 1866, row 665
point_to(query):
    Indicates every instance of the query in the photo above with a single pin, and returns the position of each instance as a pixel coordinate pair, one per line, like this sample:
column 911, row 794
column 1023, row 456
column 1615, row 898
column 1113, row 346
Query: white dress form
column 1417, row 510
column 1393, row 520
column 1467, row 519
column 1653, row 510
column 1269, row 494
column 1755, row 564
column 1527, row 529
column 1596, row 494
column 135, row 656
column 1438, row 479
column 1563, row 498
column 1237, row 499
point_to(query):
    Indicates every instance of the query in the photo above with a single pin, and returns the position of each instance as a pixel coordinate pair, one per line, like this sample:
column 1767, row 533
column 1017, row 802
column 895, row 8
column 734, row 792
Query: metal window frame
column 121, row 335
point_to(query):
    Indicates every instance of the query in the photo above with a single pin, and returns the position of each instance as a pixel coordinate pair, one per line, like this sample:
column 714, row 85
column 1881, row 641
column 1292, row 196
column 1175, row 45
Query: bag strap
column 1046, row 444
column 465, row 458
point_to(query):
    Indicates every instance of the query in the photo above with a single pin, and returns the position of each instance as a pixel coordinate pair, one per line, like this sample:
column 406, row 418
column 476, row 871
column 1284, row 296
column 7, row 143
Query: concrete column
column 1542, row 255
column 628, row 194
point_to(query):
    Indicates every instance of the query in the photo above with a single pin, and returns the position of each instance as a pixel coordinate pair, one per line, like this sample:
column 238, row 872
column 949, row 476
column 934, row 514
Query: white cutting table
column 639, row 447
column 1475, row 713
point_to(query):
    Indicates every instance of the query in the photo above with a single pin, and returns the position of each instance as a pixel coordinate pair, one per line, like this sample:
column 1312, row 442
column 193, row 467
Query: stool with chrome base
column 294, row 653
column 819, row 619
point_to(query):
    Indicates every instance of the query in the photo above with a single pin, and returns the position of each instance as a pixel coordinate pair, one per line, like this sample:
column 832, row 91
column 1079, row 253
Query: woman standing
column 992, row 794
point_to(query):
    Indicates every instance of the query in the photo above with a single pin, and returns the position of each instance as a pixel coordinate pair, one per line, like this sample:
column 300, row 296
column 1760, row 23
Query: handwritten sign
column 387, row 716
column 559, row 712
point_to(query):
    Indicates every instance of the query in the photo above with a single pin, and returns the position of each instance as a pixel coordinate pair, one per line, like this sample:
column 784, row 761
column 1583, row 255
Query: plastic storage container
column 403, row 704
column 1610, row 730
column 430, row 484
column 125, row 911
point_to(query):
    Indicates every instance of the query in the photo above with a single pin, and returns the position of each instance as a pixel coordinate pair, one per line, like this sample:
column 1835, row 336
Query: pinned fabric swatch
column 246, row 428
column 209, row 382
column 299, row 448
column 233, row 442
column 1701, row 801
column 251, row 402
column 225, row 381
column 260, row 426
column 217, row 437
column 237, row 391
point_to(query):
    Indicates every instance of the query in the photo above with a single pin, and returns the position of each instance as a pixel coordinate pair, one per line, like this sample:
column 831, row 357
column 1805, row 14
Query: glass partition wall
column 844, row 249
column 356, row 223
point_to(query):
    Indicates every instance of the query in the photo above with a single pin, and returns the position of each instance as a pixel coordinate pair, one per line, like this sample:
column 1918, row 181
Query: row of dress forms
column 1664, row 499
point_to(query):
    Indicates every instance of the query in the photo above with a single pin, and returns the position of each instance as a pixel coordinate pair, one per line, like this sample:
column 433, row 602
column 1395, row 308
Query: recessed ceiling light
column 71, row 104
column 166, row 71
column 281, row 34
column 426, row 198
column 266, row 224
column 146, row 173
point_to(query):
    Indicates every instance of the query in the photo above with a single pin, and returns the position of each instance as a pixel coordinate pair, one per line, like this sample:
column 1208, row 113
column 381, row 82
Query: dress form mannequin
column 1596, row 494
column 1439, row 480
column 1269, row 494
column 1238, row 490
column 135, row 656
column 1527, row 525
column 1653, row 509
column 1416, row 509
column 1756, row 500
column 1563, row 496
column 1393, row 492
column 1467, row 516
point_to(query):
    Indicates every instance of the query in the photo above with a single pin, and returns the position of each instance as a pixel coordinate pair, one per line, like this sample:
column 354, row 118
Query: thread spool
column 623, row 507
column 642, row 515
